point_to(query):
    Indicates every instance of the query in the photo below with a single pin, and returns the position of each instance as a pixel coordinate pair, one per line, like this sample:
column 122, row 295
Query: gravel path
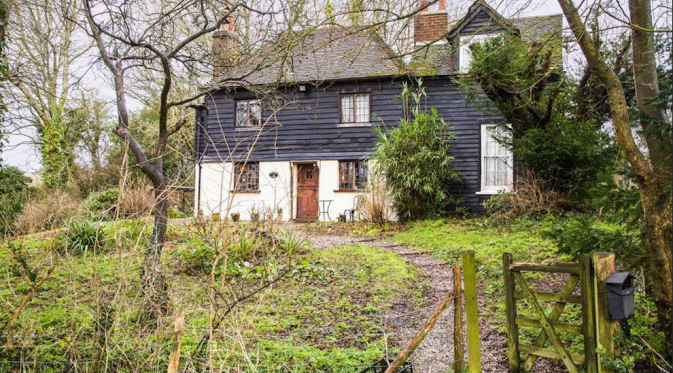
column 435, row 354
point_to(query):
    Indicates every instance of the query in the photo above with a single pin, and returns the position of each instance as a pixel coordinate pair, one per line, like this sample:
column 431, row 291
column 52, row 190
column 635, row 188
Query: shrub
column 581, row 233
column 531, row 198
column 175, row 213
column 414, row 160
column 82, row 237
column 557, row 128
column 102, row 205
column 13, row 188
column 136, row 202
column 47, row 213
column 375, row 204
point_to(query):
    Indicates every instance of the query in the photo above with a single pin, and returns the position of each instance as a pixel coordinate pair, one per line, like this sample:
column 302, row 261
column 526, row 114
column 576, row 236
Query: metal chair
column 356, row 207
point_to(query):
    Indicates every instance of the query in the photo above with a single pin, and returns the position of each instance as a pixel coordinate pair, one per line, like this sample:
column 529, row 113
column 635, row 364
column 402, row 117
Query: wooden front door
column 308, row 176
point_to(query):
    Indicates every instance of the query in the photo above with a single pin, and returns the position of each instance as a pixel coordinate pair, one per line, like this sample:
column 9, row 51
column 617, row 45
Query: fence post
column 588, row 313
column 458, row 340
column 604, row 266
column 510, row 312
column 471, row 312
column 174, row 359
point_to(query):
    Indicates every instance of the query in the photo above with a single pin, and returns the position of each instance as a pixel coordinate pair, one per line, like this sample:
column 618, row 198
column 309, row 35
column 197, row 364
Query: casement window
column 496, row 161
column 353, row 175
column 465, row 54
column 248, row 113
column 354, row 108
column 246, row 177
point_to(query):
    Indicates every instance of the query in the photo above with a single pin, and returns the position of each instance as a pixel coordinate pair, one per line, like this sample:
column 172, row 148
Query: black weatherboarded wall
column 307, row 128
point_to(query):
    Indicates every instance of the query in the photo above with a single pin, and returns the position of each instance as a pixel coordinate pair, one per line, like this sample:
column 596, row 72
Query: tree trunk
column 651, row 175
column 656, row 228
column 646, row 81
column 153, row 278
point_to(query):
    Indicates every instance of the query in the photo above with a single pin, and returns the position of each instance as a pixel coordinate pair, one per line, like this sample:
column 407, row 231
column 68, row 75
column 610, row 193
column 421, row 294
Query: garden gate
column 596, row 326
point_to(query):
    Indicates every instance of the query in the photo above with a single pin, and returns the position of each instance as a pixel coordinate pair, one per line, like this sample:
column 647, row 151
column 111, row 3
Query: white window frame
column 509, row 159
column 464, row 52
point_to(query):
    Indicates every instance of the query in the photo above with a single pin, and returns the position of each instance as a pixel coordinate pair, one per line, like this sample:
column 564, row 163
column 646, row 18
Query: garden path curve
column 435, row 354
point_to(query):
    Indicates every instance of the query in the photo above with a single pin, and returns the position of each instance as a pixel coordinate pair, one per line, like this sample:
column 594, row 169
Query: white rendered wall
column 216, row 181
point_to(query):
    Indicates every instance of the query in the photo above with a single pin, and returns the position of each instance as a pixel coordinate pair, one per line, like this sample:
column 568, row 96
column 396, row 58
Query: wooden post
column 588, row 313
column 510, row 312
column 604, row 266
column 420, row 336
column 471, row 312
column 174, row 360
column 458, row 340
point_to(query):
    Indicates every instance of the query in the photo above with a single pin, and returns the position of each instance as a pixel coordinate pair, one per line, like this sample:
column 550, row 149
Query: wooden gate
column 517, row 289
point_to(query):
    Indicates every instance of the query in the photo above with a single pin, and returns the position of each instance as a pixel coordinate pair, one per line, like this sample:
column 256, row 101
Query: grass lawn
column 321, row 316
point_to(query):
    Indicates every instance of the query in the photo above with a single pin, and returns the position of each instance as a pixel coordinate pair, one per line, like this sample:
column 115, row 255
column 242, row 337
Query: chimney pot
column 229, row 21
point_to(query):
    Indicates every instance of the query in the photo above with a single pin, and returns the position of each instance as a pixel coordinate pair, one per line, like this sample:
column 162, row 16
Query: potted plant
column 235, row 216
column 279, row 213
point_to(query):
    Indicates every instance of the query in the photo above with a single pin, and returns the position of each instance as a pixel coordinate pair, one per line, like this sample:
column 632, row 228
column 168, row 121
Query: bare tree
column 42, row 54
column 144, row 37
column 653, row 166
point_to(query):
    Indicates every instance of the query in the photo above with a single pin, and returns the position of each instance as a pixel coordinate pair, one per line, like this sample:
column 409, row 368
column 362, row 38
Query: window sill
column 493, row 191
column 363, row 124
column 349, row 191
column 247, row 128
column 245, row 192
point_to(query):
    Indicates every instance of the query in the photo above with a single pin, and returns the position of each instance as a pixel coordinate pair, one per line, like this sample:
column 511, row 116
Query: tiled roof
column 438, row 59
column 341, row 54
column 541, row 28
column 325, row 54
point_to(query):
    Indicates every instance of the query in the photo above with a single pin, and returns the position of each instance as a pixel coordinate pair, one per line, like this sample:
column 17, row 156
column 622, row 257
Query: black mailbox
column 620, row 295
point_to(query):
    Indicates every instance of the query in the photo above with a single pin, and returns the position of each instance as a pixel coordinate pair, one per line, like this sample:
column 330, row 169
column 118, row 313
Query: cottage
column 293, row 137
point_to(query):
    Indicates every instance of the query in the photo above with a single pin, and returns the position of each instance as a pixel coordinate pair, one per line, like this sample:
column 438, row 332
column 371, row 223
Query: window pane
column 489, row 171
column 255, row 118
column 346, row 175
column 347, row 109
column 361, row 175
column 362, row 108
column 241, row 113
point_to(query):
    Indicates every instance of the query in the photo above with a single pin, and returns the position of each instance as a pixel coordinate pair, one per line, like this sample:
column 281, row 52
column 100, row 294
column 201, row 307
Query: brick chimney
column 431, row 23
column 226, row 46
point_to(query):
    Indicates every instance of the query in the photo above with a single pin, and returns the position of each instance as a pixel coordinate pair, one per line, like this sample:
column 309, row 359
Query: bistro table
column 323, row 208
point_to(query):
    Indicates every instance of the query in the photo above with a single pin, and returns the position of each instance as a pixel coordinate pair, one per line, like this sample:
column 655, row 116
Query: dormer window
column 248, row 113
column 465, row 53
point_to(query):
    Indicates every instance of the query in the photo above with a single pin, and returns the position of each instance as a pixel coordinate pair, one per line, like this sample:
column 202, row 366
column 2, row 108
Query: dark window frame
column 355, row 108
column 353, row 175
column 246, row 177
column 248, row 123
